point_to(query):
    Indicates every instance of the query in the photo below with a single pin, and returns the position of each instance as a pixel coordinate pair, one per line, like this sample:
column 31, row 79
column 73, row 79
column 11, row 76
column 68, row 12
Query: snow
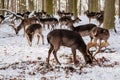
column 19, row 61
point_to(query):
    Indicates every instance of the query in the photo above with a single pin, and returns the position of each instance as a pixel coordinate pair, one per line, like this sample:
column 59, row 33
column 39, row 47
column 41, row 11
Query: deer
column 31, row 31
column 90, row 15
column 49, row 21
column 25, row 23
column 100, row 34
column 71, row 39
column 63, row 13
column 83, row 30
column 66, row 19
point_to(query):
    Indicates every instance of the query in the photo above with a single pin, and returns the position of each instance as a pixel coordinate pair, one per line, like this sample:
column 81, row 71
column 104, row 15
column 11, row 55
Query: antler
column 95, row 44
column 103, row 44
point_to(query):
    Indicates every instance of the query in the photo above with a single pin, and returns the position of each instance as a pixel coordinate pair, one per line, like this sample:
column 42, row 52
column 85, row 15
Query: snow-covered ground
column 19, row 61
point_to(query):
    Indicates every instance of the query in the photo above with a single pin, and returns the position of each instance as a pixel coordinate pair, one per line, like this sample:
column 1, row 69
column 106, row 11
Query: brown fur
column 25, row 23
column 100, row 34
column 83, row 30
column 62, row 37
column 32, row 30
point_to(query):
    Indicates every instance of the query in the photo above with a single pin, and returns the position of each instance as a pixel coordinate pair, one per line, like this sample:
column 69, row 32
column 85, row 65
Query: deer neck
column 71, row 26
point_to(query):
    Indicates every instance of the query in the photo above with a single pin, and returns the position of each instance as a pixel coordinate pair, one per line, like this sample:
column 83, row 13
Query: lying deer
column 100, row 34
column 62, row 37
column 32, row 30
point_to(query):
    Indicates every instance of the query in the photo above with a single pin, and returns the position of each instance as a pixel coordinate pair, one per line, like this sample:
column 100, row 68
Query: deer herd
column 71, row 37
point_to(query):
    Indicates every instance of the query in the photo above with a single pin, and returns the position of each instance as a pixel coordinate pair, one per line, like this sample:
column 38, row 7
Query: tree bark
column 2, row 6
column 109, row 14
column 23, row 5
column 31, row 5
column 49, row 7
column 69, row 6
column 75, row 8
column 93, row 5
column 119, row 8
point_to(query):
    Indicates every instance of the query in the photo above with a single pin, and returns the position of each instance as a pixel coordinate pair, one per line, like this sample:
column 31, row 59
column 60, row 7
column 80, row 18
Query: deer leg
column 74, row 55
column 28, row 38
column 24, row 30
column 49, row 52
column 54, row 53
column 52, row 27
column 48, row 26
column 56, row 47
column 42, row 39
column 38, row 38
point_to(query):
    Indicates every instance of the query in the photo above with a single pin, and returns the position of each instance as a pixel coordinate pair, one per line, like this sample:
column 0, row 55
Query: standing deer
column 66, row 19
column 100, row 34
column 26, row 22
column 32, row 30
column 62, row 37
column 83, row 30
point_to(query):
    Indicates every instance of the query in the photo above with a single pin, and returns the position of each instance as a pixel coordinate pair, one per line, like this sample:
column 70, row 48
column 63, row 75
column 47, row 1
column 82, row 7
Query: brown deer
column 83, row 30
column 90, row 15
column 25, row 23
column 100, row 34
column 63, row 37
column 66, row 19
column 49, row 21
column 32, row 30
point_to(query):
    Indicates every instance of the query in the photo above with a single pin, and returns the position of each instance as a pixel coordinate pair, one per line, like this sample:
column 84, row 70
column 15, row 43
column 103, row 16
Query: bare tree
column 49, row 7
column 69, row 6
column 75, row 10
column 31, row 5
column 2, row 6
column 22, row 5
column 109, row 14
column 93, row 5
column 119, row 8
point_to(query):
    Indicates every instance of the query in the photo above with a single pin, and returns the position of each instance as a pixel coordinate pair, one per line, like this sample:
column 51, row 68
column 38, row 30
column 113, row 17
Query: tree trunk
column 42, row 4
column 31, row 5
column 23, row 6
column 59, row 4
column 93, row 5
column 75, row 8
column 49, row 7
column 119, row 8
column 55, row 6
column 2, row 6
column 45, row 5
column 69, row 6
column 80, row 7
column 109, row 14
